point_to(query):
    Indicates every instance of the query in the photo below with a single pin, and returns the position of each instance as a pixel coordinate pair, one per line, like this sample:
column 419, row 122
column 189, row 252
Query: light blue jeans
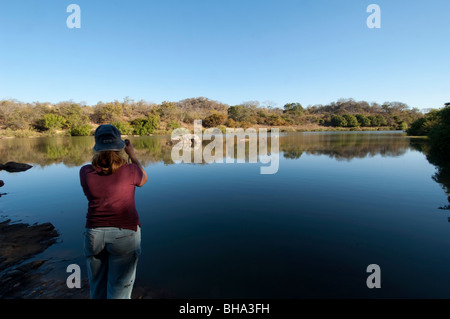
column 112, row 255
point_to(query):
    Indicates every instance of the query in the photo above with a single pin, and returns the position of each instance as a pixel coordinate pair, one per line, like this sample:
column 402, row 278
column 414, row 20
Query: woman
column 113, row 230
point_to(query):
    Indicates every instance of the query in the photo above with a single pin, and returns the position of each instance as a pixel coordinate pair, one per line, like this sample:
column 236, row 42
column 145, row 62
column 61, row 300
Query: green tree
column 124, row 127
column 436, row 125
column 293, row 108
column 403, row 126
column 52, row 121
column 172, row 125
column 440, row 133
column 381, row 120
column 145, row 126
column 240, row 113
column 377, row 120
column 363, row 120
column 80, row 130
column 423, row 126
column 351, row 120
column 338, row 121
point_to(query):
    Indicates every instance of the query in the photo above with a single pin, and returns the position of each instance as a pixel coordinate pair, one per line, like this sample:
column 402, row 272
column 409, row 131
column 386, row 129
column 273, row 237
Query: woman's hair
column 108, row 161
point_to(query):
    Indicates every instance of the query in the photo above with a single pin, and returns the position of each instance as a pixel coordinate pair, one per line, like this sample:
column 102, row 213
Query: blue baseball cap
column 107, row 138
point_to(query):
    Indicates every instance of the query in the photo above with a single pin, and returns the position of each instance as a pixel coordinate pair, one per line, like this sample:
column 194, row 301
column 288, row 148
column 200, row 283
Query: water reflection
column 442, row 163
column 224, row 231
column 344, row 146
column 74, row 151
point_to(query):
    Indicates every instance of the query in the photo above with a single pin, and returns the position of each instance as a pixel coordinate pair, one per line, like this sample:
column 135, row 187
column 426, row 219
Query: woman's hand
column 129, row 149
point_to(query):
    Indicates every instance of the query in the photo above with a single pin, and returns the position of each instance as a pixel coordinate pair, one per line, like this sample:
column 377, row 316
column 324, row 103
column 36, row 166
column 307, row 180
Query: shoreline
column 9, row 134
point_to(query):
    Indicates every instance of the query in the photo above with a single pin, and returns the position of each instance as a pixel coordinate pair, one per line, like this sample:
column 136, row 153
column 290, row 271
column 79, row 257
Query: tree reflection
column 75, row 151
column 442, row 163
column 345, row 146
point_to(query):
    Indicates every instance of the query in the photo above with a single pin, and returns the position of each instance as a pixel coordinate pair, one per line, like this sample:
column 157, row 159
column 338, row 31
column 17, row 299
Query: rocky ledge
column 21, row 277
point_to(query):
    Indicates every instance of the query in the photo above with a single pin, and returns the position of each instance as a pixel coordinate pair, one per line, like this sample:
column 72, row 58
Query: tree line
column 436, row 126
column 144, row 118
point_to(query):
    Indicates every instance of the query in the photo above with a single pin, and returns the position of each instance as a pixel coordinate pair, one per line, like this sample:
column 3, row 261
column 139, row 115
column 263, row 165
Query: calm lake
column 338, row 203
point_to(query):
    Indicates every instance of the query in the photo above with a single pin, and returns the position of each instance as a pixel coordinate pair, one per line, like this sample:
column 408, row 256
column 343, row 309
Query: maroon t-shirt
column 111, row 197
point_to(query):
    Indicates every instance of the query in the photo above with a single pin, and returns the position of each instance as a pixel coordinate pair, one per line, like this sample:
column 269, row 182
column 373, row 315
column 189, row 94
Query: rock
column 14, row 273
column 13, row 167
column 31, row 265
column 19, row 277
column 20, row 241
column 2, row 183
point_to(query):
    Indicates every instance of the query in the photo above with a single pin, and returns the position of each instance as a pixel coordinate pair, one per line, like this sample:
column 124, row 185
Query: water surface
column 339, row 202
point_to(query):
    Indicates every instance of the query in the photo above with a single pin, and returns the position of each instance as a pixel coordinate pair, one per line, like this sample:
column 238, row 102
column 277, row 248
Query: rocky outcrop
column 13, row 167
column 20, row 241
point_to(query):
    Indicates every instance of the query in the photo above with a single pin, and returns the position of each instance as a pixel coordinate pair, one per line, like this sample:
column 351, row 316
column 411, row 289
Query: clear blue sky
column 312, row 52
